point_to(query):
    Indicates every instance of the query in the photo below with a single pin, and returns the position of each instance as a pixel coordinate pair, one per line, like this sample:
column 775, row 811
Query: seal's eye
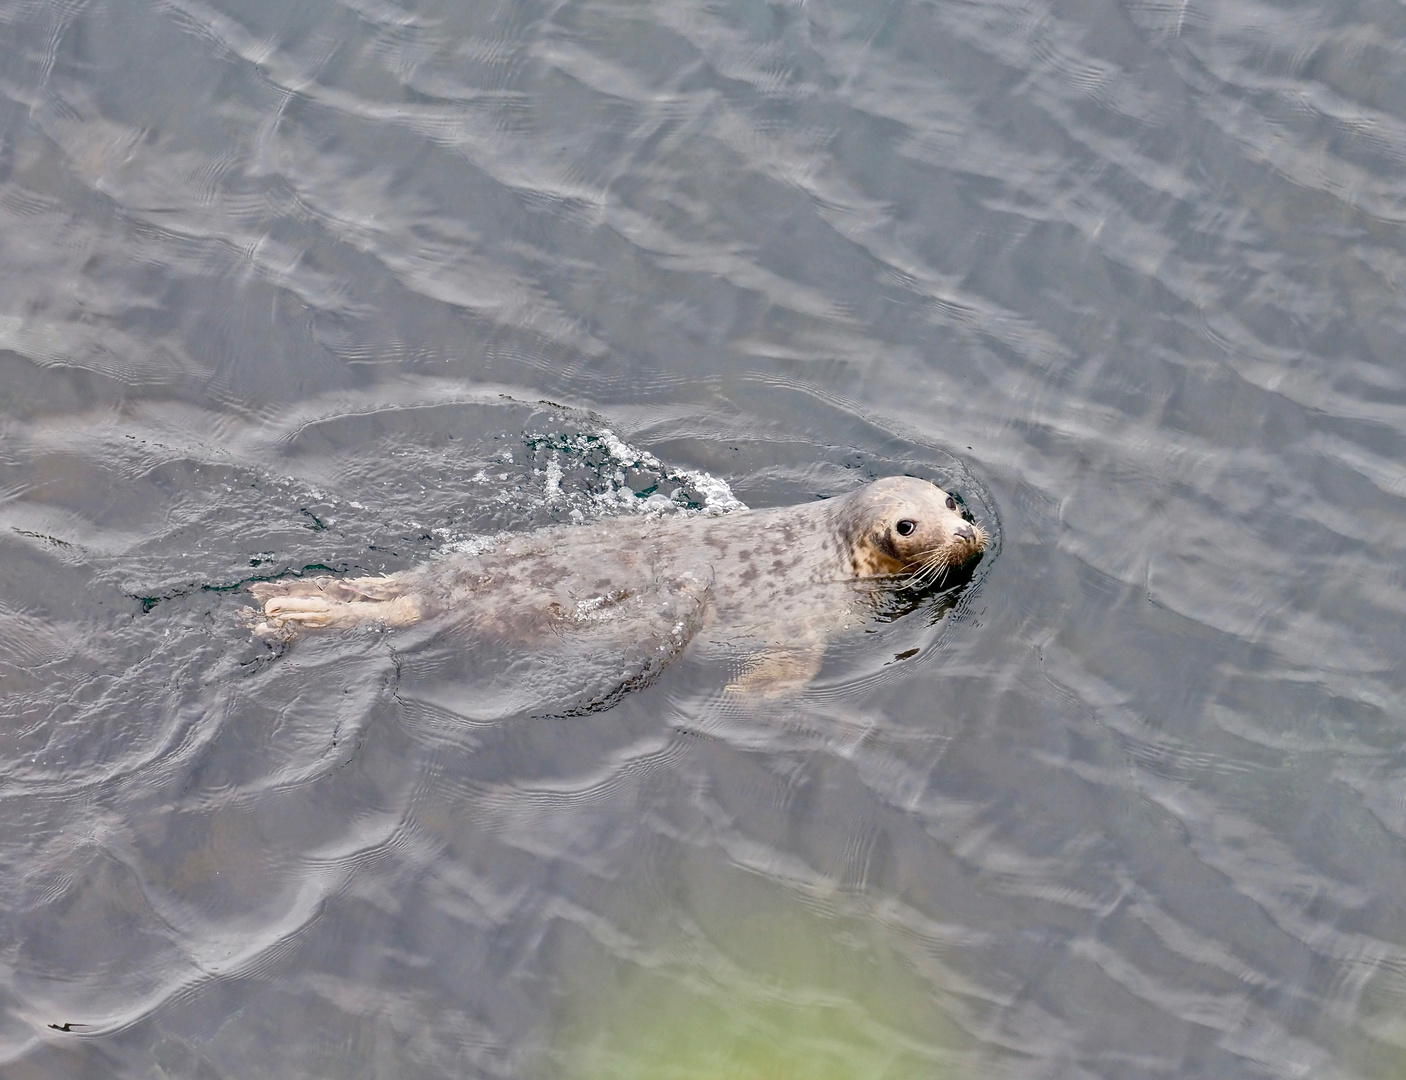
column 951, row 503
column 905, row 527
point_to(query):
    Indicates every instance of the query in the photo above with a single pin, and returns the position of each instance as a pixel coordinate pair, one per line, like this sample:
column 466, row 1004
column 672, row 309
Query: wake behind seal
column 772, row 585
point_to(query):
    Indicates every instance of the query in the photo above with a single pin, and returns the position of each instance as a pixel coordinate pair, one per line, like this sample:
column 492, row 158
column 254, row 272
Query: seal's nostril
column 966, row 532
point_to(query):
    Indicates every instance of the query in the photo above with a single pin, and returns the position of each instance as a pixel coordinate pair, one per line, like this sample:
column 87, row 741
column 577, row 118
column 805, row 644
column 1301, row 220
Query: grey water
column 344, row 285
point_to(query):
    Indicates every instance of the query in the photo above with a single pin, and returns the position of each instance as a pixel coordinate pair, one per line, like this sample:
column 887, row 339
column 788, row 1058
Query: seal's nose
column 966, row 532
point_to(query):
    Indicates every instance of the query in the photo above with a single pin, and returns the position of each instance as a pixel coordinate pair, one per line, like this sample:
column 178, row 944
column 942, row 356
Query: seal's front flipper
column 780, row 670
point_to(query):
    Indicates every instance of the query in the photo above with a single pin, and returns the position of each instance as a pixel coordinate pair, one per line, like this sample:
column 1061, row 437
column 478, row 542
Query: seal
column 771, row 587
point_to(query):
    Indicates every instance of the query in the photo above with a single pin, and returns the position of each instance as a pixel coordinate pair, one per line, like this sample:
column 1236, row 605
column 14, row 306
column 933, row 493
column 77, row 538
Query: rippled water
column 345, row 285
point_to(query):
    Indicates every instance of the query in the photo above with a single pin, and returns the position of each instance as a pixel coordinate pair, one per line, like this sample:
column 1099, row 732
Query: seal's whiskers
column 932, row 566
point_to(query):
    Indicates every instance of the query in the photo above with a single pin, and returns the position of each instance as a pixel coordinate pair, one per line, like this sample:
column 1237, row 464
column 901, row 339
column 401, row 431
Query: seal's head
column 902, row 526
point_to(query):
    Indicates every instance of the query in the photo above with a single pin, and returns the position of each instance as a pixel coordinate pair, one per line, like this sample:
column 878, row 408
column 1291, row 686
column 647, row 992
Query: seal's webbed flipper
column 334, row 602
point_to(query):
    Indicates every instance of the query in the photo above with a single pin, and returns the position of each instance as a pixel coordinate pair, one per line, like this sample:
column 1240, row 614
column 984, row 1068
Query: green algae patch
column 762, row 990
column 670, row 1033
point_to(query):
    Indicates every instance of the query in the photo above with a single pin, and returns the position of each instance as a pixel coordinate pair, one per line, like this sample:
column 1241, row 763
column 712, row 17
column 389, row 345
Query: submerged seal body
column 773, row 585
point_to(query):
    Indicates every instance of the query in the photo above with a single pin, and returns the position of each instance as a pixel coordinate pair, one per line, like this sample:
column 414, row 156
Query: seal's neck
column 865, row 545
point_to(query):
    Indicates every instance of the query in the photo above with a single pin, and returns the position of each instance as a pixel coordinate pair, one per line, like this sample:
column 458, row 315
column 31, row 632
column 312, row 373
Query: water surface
column 329, row 284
